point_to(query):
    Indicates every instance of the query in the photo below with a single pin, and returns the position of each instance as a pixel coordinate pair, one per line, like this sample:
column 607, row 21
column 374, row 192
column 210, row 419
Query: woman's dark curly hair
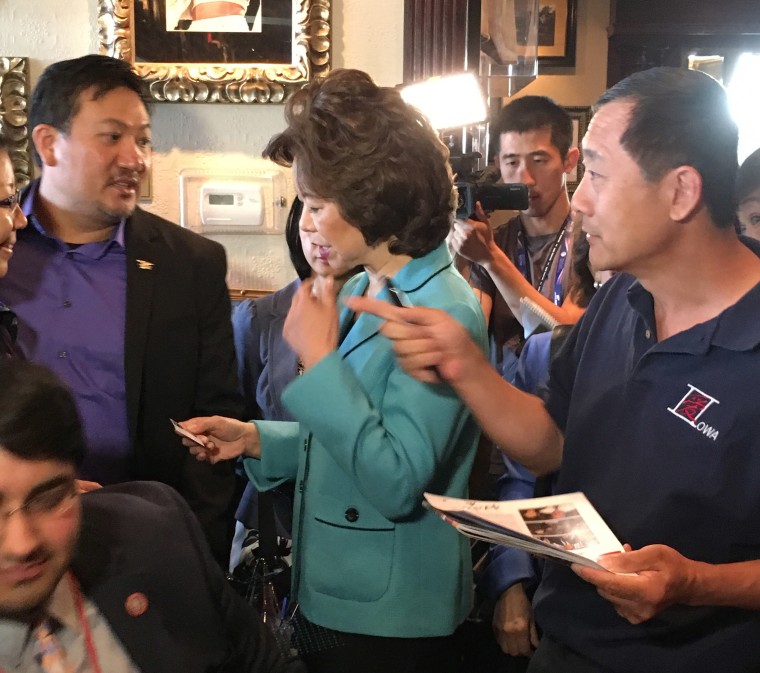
column 377, row 158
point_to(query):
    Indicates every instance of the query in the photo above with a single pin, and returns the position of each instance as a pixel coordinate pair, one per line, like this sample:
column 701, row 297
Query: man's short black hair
column 531, row 113
column 56, row 98
column 680, row 117
column 38, row 416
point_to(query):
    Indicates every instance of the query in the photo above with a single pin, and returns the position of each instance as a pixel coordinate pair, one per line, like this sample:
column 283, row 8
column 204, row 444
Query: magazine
column 563, row 527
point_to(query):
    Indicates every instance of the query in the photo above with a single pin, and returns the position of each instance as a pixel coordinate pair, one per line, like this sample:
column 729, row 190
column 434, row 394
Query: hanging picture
column 557, row 25
column 211, row 51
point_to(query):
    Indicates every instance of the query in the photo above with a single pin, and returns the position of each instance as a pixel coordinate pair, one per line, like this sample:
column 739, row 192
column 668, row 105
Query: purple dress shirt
column 71, row 306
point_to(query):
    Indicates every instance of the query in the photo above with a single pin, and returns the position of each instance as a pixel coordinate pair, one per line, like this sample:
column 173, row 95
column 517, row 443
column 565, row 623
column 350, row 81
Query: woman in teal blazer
column 386, row 577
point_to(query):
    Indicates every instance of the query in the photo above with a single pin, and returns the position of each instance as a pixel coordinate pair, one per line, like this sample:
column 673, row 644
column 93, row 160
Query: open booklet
column 562, row 527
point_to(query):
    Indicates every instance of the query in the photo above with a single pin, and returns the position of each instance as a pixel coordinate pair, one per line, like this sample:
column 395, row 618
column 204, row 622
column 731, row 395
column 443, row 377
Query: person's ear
column 684, row 184
column 45, row 138
column 571, row 159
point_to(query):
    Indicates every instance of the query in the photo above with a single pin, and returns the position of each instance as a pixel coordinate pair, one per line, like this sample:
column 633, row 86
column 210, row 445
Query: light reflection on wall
column 744, row 100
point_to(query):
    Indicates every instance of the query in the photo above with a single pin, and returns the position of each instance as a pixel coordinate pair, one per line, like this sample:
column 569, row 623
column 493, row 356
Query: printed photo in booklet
column 564, row 527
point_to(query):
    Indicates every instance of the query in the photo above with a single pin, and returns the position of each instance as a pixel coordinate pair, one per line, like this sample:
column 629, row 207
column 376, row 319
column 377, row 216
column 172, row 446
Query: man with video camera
column 529, row 255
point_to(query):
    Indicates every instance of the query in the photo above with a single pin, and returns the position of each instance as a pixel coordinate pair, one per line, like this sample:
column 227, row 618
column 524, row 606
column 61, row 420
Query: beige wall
column 589, row 79
column 367, row 34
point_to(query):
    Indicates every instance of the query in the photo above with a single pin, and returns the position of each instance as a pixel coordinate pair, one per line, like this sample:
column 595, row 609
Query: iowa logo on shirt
column 691, row 408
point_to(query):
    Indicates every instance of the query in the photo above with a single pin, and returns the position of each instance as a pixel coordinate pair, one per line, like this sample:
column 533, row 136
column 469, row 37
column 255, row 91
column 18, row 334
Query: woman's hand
column 311, row 328
column 222, row 438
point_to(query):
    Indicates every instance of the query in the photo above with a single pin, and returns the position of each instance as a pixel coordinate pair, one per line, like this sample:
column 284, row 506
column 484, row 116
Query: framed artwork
column 192, row 51
column 557, row 26
column 14, row 115
column 581, row 117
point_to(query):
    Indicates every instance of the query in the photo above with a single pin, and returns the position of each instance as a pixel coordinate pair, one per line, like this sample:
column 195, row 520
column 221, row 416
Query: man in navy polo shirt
column 647, row 406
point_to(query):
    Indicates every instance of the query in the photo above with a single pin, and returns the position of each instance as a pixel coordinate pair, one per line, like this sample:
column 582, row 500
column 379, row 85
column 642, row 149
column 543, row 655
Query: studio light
column 449, row 101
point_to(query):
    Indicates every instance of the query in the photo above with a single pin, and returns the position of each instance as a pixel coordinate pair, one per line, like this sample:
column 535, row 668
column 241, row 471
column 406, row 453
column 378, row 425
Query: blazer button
column 352, row 514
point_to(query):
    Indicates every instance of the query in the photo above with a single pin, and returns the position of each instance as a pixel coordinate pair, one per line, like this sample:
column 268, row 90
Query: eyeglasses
column 48, row 504
column 11, row 201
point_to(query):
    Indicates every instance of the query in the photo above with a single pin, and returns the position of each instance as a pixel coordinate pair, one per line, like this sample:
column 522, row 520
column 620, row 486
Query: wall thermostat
column 236, row 201
column 232, row 204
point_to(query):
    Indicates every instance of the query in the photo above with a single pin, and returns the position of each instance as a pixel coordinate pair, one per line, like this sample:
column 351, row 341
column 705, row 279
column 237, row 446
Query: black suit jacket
column 179, row 362
column 141, row 538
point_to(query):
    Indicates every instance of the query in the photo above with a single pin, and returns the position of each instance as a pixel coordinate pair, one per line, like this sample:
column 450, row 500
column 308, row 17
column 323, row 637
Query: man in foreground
column 646, row 405
column 118, row 580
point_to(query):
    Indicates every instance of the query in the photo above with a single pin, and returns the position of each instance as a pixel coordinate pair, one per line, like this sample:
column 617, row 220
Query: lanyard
column 89, row 642
column 525, row 265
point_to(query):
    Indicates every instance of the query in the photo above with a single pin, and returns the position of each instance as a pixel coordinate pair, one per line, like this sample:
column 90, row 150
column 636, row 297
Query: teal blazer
column 369, row 440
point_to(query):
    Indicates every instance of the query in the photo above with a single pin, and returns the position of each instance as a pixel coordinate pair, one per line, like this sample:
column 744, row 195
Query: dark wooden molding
column 440, row 37
column 239, row 295
column 650, row 33
column 685, row 17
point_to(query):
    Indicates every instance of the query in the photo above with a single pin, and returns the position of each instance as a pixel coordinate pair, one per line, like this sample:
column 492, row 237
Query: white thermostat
column 237, row 201
column 231, row 204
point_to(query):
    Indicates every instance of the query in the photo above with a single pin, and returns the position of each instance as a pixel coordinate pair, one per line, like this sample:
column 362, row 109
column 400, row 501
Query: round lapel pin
column 136, row 604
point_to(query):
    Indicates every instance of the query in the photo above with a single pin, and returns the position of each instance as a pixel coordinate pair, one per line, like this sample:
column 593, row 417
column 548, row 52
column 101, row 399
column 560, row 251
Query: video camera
column 492, row 196
column 483, row 186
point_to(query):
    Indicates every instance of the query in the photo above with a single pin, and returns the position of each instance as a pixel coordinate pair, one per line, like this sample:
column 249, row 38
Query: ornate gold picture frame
column 286, row 44
column 14, row 115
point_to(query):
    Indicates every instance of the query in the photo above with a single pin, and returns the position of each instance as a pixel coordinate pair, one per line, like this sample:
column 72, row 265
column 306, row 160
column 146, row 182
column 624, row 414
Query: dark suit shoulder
column 136, row 519
column 148, row 492
column 277, row 303
column 141, row 537
column 134, row 503
column 150, row 226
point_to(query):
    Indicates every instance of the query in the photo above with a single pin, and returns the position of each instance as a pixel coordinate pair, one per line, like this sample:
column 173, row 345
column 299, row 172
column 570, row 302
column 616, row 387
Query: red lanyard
column 89, row 642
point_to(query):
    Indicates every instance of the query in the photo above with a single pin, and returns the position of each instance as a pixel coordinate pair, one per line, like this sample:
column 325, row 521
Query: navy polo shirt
column 663, row 438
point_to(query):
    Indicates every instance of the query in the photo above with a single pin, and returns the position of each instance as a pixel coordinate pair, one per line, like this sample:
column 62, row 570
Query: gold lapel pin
column 145, row 266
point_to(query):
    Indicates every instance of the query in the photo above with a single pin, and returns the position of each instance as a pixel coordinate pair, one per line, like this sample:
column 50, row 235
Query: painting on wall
column 229, row 51
column 557, row 26
column 581, row 116
column 14, row 115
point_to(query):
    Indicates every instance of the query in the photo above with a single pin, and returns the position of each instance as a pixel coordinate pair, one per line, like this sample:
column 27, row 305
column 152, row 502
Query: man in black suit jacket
column 130, row 310
column 127, row 563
